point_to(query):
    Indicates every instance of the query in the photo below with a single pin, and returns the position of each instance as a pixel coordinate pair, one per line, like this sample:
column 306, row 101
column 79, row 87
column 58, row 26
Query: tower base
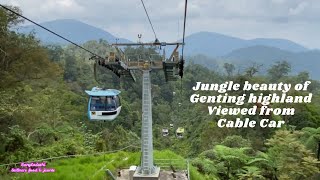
column 154, row 176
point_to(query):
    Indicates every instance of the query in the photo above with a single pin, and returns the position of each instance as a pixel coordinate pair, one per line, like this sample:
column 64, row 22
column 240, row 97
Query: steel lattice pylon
column 147, row 166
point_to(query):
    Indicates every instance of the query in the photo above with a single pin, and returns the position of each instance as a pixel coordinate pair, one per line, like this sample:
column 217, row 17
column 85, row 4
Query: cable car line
column 149, row 20
column 181, row 65
column 184, row 26
column 94, row 54
column 181, row 62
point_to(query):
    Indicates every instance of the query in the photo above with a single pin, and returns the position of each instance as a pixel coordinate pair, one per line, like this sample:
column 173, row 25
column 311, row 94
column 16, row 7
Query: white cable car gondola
column 180, row 132
column 165, row 132
column 104, row 104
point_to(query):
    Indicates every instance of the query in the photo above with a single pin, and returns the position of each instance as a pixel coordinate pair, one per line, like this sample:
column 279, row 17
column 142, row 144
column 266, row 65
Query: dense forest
column 43, row 112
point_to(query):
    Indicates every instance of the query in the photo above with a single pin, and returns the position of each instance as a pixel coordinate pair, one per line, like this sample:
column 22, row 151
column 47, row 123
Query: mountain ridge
column 299, row 61
column 210, row 44
column 71, row 29
column 215, row 45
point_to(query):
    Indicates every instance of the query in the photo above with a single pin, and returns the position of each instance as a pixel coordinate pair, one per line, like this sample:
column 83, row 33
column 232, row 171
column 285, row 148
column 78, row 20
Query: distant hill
column 213, row 48
column 73, row 30
column 215, row 45
column 300, row 61
column 207, row 43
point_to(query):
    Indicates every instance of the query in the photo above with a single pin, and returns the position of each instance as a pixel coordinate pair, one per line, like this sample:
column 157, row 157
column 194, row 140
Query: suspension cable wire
column 184, row 26
column 182, row 49
column 178, row 30
column 149, row 19
column 76, row 155
column 94, row 54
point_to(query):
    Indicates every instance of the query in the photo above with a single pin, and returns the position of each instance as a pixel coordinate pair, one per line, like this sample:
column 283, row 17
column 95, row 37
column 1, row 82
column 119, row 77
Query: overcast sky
column 296, row 20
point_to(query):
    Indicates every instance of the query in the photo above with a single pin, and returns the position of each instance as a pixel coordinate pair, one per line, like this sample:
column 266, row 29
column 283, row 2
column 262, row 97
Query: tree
column 279, row 70
column 229, row 68
column 235, row 141
column 303, row 77
column 24, row 59
column 290, row 156
column 16, row 146
column 8, row 19
column 252, row 70
column 250, row 173
column 70, row 73
column 55, row 52
column 233, row 159
column 311, row 138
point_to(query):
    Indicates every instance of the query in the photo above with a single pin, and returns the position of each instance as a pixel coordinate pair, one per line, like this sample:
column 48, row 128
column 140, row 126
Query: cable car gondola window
column 117, row 100
column 98, row 103
column 111, row 104
column 103, row 104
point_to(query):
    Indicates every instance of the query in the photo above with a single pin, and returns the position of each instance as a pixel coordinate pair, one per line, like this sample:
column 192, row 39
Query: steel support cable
column 94, row 54
column 182, row 51
column 144, row 7
column 181, row 63
column 184, row 25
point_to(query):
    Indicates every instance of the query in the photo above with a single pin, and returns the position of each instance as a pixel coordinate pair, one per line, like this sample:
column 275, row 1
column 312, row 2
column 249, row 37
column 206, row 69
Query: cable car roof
column 103, row 92
column 180, row 130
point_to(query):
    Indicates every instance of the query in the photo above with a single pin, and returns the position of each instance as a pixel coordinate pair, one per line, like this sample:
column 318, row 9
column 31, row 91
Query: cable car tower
column 122, row 66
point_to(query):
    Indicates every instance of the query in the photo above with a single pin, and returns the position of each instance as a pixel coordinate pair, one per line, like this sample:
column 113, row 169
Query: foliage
column 311, row 138
column 235, row 141
column 290, row 156
column 279, row 70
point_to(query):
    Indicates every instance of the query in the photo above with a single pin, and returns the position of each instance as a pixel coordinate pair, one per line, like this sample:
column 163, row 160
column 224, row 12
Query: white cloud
column 61, row 7
column 299, row 8
column 279, row 1
column 66, row 3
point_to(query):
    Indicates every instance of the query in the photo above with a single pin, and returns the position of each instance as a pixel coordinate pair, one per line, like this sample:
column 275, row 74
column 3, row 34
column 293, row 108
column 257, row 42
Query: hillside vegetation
column 93, row 167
